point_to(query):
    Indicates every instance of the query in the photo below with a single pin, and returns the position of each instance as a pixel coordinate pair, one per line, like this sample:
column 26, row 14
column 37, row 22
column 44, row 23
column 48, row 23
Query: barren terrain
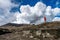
column 49, row 31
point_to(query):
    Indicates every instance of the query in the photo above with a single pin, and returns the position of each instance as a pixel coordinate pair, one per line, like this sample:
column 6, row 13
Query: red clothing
column 44, row 18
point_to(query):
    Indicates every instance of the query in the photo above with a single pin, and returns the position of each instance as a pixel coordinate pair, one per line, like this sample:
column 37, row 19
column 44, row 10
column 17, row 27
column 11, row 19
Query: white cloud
column 56, row 11
column 49, row 14
column 28, row 14
column 56, row 19
column 19, row 19
column 35, row 14
column 5, row 15
column 57, row 3
column 31, row 14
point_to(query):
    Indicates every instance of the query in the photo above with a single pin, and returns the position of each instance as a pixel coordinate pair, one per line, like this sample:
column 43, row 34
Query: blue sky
column 52, row 3
column 33, row 2
column 26, row 11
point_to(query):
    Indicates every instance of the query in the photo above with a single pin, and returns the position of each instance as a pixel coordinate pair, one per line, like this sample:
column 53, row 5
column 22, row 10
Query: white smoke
column 34, row 14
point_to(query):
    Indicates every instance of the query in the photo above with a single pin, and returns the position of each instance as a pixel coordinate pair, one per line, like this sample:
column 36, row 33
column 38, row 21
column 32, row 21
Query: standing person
column 44, row 19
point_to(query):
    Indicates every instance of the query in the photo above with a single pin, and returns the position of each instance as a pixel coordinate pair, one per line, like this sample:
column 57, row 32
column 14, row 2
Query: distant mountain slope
column 47, row 24
column 16, row 25
column 51, row 24
column 29, row 26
